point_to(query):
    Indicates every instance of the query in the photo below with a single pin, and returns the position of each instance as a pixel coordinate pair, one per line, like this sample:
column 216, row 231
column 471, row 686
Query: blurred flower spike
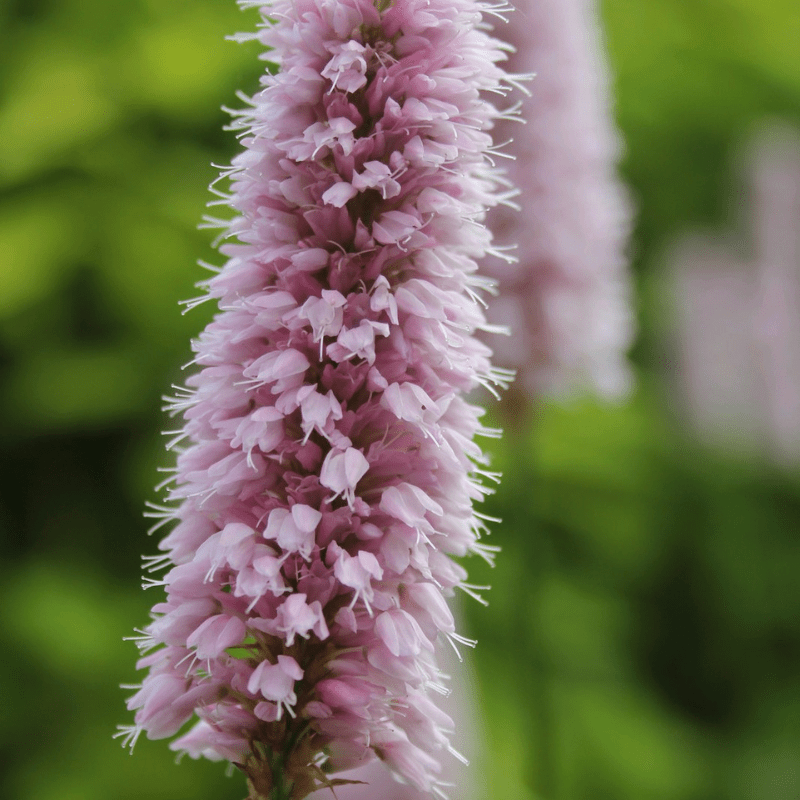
column 326, row 469
column 568, row 294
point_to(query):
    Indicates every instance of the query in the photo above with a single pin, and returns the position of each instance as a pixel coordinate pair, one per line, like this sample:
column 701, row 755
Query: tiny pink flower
column 342, row 470
column 293, row 529
column 377, row 175
column 296, row 617
column 216, row 634
column 347, row 69
column 401, row 633
column 357, row 572
column 276, row 682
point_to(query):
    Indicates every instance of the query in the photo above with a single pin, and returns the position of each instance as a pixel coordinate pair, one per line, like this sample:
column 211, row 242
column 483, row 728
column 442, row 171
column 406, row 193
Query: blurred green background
column 643, row 637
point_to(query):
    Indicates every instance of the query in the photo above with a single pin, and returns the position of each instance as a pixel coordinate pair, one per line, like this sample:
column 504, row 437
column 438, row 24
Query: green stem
column 280, row 790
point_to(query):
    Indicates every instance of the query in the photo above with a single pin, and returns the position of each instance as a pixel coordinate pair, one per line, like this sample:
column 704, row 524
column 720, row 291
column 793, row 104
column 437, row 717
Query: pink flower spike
column 328, row 467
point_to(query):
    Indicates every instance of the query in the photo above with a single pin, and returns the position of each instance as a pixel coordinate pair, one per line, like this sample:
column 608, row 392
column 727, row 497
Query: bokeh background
column 643, row 636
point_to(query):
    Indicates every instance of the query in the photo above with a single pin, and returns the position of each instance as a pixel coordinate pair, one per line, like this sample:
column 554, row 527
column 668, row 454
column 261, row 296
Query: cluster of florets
column 328, row 472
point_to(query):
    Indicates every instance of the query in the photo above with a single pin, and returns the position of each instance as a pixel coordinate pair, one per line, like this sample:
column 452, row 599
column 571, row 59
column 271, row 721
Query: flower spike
column 327, row 470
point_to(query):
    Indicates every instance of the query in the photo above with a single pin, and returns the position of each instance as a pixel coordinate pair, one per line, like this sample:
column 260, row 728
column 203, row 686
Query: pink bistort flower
column 567, row 297
column 328, row 471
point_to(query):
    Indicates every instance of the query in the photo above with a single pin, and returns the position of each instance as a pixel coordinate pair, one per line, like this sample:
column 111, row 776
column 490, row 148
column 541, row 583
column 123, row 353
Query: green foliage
column 642, row 637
